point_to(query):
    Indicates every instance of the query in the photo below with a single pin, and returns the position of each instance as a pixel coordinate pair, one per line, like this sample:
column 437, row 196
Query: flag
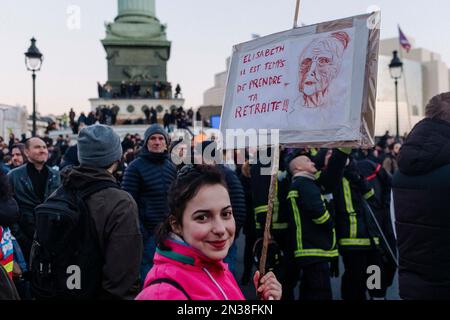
column 403, row 40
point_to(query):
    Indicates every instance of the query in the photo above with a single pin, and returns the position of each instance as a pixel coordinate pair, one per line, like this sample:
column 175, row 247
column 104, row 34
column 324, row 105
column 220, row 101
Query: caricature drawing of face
column 320, row 63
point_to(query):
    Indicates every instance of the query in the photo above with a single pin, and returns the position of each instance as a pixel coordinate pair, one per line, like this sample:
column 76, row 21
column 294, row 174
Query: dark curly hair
column 185, row 187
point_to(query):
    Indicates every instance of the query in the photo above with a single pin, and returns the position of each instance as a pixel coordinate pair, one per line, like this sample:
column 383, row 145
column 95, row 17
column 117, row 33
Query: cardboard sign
column 316, row 84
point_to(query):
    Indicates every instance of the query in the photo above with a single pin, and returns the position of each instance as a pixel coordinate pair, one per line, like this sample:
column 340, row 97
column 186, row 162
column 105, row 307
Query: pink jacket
column 201, row 277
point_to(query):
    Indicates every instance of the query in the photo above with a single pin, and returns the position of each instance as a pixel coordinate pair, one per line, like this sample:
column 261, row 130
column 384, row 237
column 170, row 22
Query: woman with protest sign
column 193, row 241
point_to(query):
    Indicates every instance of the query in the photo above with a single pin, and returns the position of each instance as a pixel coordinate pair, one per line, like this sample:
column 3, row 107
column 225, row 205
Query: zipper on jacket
column 215, row 282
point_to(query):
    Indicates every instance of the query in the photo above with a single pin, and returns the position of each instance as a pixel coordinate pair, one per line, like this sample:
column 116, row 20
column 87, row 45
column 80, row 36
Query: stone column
column 129, row 10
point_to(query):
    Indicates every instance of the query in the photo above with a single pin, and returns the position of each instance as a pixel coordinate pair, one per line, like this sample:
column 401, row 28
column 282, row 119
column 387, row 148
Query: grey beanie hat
column 98, row 146
column 154, row 129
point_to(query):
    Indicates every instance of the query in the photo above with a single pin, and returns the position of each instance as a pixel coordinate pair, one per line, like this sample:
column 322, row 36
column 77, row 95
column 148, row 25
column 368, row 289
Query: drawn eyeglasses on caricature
column 319, row 64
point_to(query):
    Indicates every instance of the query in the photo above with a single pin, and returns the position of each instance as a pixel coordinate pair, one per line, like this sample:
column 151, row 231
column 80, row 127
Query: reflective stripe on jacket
column 260, row 185
column 351, row 217
column 313, row 232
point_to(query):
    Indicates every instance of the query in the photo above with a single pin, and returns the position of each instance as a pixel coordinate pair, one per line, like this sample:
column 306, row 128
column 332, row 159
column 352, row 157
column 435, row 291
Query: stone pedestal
column 136, row 45
column 137, row 50
column 133, row 109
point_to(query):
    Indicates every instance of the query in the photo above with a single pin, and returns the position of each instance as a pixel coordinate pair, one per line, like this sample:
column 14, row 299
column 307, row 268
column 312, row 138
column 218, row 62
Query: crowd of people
column 133, row 90
column 177, row 118
column 159, row 219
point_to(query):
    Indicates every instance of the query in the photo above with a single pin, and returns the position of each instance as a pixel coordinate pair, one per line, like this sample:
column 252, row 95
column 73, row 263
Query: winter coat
column 201, row 277
column 421, row 192
column 115, row 217
column 381, row 182
column 352, row 217
column 311, row 225
column 237, row 197
column 148, row 179
column 28, row 200
column 260, row 185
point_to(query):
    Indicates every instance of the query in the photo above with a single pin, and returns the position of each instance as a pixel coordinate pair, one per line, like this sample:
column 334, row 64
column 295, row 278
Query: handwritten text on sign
column 259, row 70
column 310, row 83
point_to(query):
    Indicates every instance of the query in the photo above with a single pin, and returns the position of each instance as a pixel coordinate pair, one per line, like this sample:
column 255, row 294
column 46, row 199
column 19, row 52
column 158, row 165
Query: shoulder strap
column 97, row 186
column 171, row 282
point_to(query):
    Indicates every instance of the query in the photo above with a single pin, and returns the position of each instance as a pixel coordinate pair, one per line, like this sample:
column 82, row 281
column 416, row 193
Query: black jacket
column 311, row 224
column 352, row 225
column 260, row 185
column 28, row 200
column 381, row 182
column 421, row 191
column 148, row 179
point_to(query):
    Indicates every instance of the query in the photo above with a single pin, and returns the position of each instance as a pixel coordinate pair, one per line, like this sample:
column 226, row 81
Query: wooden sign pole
column 297, row 9
column 272, row 189
column 275, row 166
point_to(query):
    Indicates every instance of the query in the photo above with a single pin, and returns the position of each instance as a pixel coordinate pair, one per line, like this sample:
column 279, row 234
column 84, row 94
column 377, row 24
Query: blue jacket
column 148, row 179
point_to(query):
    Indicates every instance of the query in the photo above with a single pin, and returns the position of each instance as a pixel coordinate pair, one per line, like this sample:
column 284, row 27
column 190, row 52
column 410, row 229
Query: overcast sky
column 202, row 34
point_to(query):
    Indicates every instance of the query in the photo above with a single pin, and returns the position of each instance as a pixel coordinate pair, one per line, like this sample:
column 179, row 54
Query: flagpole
column 406, row 93
column 400, row 50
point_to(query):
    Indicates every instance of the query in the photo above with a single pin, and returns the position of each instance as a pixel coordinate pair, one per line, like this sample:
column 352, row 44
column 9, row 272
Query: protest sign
column 316, row 84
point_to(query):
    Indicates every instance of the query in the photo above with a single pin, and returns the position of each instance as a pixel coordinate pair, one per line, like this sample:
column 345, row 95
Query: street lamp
column 33, row 61
column 396, row 70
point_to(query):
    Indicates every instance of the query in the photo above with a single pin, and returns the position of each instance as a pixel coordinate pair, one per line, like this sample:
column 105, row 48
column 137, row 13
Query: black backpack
column 66, row 260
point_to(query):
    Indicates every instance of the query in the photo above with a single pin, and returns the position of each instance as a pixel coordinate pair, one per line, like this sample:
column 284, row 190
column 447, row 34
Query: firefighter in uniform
column 311, row 224
column 358, row 240
column 378, row 179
